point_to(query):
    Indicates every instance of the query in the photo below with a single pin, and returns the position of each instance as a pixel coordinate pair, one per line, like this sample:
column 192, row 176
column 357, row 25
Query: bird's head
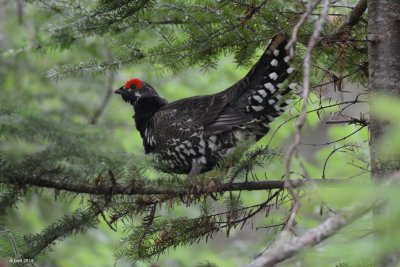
column 135, row 89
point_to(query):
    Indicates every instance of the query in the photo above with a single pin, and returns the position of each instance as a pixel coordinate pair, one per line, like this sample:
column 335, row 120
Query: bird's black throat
column 145, row 108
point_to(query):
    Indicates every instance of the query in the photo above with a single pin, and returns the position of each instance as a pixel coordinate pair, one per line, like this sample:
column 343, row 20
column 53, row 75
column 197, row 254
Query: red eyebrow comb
column 137, row 82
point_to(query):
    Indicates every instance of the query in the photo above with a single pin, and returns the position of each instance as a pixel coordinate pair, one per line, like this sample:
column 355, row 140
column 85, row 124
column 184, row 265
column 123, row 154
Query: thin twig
column 290, row 46
column 310, row 7
column 329, row 156
column 107, row 96
column 357, row 121
column 352, row 102
column 306, row 91
column 337, row 140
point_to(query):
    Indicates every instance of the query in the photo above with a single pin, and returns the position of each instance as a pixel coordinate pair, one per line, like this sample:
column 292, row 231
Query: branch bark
column 352, row 20
column 286, row 247
column 131, row 189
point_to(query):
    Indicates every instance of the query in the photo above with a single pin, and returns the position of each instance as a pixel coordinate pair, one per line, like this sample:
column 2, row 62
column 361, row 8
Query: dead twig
column 110, row 81
column 315, row 37
column 286, row 247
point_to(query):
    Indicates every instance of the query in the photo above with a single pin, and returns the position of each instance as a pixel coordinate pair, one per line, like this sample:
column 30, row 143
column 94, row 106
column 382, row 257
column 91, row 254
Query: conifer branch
column 75, row 222
column 352, row 20
column 8, row 198
column 12, row 240
column 156, row 189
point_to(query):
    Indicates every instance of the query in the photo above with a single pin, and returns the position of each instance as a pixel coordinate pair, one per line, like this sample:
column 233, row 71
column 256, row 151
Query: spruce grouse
column 191, row 135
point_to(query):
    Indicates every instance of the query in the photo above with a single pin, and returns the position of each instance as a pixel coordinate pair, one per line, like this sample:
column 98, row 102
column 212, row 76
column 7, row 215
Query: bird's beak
column 119, row 90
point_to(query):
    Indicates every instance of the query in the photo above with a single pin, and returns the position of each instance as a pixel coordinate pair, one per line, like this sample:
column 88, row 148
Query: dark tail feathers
column 265, row 96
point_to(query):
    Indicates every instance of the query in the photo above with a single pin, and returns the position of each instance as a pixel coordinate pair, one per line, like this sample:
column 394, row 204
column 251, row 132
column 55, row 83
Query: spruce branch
column 95, row 66
column 155, row 235
column 157, row 189
column 344, row 30
column 8, row 198
column 76, row 222
column 109, row 13
column 166, row 234
column 195, row 33
column 12, row 240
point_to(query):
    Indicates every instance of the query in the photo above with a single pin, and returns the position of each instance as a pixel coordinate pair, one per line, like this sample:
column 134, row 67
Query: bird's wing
column 202, row 109
column 227, row 119
column 172, row 123
column 213, row 112
column 217, row 114
column 210, row 108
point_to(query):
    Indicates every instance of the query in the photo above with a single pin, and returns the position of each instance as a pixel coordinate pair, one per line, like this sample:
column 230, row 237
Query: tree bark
column 384, row 73
column 384, row 79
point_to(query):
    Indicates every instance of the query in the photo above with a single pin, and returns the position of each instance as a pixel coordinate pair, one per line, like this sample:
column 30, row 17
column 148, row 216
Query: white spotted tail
column 267, row 88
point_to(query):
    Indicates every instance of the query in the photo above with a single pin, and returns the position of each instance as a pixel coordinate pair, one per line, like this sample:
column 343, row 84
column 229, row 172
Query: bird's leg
column 195, row 170
column 195, row 187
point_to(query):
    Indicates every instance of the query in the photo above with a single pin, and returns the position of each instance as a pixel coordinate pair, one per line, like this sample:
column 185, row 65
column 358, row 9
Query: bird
column 191, row 135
